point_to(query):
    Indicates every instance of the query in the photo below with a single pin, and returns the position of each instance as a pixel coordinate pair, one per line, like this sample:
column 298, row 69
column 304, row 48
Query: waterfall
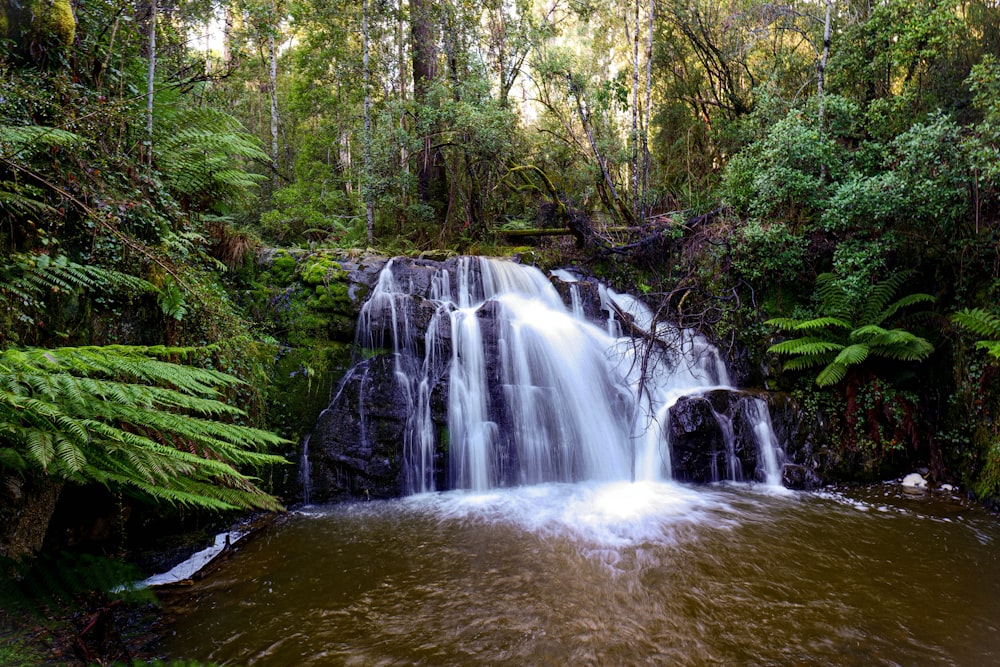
column 535, row 392
column 305, row 471
column 769, row 453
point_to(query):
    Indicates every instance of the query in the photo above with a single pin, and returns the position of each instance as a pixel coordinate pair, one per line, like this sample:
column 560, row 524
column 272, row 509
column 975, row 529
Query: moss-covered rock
column 330, row 297
column 282, row 268
column 321, row 270
column 42, row 27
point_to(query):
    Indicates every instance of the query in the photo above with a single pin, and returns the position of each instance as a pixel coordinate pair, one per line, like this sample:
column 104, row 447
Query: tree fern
column 982, row 323
column 204, row 153
column 119, row 416
column 27, row 280
column 846, row 335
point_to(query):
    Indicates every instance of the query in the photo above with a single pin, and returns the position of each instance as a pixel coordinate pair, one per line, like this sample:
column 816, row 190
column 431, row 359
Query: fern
column 844, row 336
column 806, row 347
column 26, row 280
column 831, row 374
column 22, row 140
column 119, row 416
column 203, row 154
column 981, row 323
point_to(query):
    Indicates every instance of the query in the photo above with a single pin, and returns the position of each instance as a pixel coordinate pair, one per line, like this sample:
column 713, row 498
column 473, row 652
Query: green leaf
column 852, row 355
column 831, row 375
column 119, row 416
column 805, row 346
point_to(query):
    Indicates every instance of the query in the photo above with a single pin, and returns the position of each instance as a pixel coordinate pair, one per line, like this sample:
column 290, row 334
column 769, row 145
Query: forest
column 813, row 184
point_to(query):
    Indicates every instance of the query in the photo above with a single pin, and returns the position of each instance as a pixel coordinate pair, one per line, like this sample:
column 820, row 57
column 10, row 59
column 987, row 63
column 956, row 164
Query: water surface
column 609, row 574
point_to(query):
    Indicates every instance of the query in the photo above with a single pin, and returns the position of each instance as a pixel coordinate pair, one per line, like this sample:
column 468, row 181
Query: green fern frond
column 906, row 301
column 204, row 153
column 783, row 323
column 121, row 417
column 992, row 347
column 879, row 296
column 979, row 321
column 20, row 199
column 833, row 299
column 19, row 139
column 803, row 363
column 902, row 345
column 807, row 346
column 867, row 332
column 29, row 278
column 822, row 323
column 863, row 329
column 852, row 355
column 832, row 374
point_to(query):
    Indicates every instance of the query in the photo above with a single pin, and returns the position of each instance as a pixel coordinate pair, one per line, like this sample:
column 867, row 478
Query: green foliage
column 846, row 332
column 981, row 323
column 58, row 580
column 125, row 419
column 282, row 268
column 787, row 174
column 768, row 251
column 204, row 155
column 320, row 270
column 28, row 282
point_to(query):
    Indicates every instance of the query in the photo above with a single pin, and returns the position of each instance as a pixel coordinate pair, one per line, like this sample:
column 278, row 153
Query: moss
column 3, row 21
column 304, row 378
column 321, row 270
column 330, row 297
column 282, row 268
column 49, row 22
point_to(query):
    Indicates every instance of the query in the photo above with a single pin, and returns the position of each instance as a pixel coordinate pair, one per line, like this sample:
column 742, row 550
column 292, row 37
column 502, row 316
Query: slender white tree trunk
column 367, row 190
column 273, row 85
column 649, row 106
column 821, row 64
column 149, row 82
column 636, row 210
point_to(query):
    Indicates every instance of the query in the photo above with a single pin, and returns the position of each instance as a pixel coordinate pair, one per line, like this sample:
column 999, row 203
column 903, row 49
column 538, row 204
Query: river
column 650, row 573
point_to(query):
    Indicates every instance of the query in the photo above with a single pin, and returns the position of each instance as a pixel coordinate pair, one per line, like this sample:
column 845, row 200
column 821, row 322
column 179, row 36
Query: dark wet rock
column 588, row 293
column 794, row 476
column 26, row 507
column 696, row 440
column 714, row 436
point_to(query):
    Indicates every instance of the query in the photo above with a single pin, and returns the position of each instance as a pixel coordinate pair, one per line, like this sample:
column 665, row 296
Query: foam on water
column 593, row 514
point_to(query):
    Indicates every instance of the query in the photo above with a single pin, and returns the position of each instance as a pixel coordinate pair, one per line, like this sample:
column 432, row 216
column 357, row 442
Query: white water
column 569, row 400
column 305, row 472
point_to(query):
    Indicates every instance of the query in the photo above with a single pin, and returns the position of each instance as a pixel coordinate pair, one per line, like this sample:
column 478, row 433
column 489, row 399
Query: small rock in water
column 914, row 481
column 947, row 487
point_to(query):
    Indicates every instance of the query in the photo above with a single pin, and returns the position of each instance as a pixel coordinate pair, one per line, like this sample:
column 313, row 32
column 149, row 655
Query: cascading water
column 767, row 444
column 305, row 472
column 535, row 392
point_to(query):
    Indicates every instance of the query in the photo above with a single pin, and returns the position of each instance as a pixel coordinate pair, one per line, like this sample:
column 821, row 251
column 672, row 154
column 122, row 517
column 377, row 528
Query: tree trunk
column 273, row 87
column 606, row 186
column 649, row 106
column 821, row 63
column 149, row 83
column 26, row 506
column 404, row 155
column 369, row 204
column 431, row 181
column 636, row 210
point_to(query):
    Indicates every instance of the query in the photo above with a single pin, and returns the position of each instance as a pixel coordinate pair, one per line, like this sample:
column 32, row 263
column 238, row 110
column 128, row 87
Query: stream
column 598, row 573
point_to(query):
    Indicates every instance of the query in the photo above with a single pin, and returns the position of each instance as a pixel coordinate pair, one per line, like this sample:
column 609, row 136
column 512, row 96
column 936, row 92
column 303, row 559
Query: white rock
column 915, row 481
column 947, row 487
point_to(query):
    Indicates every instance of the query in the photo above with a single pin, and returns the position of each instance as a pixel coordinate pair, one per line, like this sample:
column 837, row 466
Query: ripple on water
column 608, row 574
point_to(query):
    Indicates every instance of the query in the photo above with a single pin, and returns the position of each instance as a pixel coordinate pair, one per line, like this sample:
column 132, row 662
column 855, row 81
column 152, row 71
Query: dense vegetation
column 812, row 180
